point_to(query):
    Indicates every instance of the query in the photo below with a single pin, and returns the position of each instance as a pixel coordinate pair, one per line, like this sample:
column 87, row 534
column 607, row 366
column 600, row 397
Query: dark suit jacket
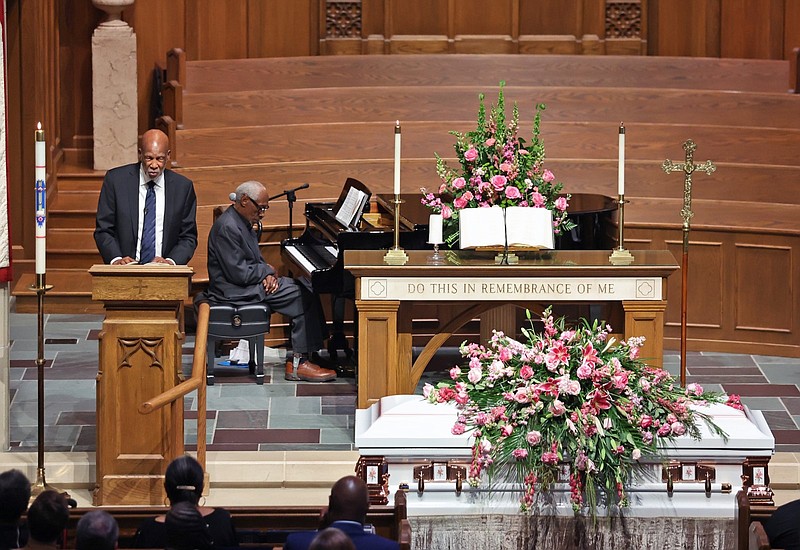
column 362, row 541
column 783, row 527
column 235, row 265
column 116, row 227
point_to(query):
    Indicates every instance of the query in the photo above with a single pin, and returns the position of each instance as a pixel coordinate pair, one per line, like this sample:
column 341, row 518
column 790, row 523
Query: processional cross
column 688, row 167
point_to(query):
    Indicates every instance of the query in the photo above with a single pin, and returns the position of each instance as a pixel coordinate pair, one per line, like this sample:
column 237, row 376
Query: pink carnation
column 458, row 428
column 520, row 453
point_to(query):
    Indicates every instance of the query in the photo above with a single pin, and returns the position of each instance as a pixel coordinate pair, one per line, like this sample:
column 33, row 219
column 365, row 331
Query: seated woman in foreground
column 183, row 482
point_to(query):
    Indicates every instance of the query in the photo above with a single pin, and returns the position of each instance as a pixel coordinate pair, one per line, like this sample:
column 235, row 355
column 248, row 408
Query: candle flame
column 38, row 125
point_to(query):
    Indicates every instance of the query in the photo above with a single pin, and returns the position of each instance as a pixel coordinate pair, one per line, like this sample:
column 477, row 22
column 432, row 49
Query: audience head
column 186, row 528
column 97, row 530
column 349, row 500
column 183, row 480
column 47, row 517
column 251, row 200
column 154, row 153
column 15, row 492
column 332, row 539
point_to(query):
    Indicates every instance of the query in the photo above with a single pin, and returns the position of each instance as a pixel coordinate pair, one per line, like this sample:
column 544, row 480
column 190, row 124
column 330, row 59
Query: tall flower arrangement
column 568, row 395
column 497, row 167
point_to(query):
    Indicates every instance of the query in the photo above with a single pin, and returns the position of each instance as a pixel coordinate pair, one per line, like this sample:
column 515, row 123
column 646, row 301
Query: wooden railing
column 174, row 396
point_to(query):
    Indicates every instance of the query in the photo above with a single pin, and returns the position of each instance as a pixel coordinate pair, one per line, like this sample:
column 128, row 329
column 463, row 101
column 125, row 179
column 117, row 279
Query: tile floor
column 284, row 415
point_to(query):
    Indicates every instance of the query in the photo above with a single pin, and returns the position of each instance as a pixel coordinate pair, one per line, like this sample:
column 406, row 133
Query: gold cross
column 688, row 167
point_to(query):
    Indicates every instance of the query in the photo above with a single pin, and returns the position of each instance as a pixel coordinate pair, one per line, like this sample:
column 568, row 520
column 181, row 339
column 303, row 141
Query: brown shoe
column 308, row 372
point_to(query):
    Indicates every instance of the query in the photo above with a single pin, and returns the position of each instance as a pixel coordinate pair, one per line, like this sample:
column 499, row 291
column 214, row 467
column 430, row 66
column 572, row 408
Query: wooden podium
column 140, row 357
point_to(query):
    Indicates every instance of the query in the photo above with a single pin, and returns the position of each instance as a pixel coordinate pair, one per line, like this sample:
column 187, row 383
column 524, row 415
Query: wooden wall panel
column 684, row 27
column 705, row 301
column 217, row 29
column 417, row 17
column 473, row 17
column 269, row 20
column 550, row 17
column 764, row 288
column 752, row 29
column 159, row 27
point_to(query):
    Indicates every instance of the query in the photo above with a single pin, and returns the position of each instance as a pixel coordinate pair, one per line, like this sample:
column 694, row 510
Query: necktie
column 148, row 249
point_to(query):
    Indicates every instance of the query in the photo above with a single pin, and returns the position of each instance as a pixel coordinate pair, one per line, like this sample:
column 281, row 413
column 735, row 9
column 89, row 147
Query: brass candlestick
column 396, row 255
column 40, row 485
column 620, row 256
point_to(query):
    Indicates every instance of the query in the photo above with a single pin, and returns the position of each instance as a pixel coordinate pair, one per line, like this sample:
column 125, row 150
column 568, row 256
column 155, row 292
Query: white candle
column 41, row 197
column 397, row 157
column 435, row 229
column 621, row 169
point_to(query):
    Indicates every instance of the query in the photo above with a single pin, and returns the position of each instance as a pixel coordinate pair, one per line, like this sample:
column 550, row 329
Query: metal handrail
column 196, row 381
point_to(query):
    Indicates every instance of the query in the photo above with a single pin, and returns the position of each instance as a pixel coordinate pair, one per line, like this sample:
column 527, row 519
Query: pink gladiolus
column 455, row 372
column 470, row 154
column 561, row 204
column 442, row 188
column 538, row 200
column 446, row 212
column 548, row 176
column 459, row 183
column 523, row 151
column 512, row 192
column 499, row 182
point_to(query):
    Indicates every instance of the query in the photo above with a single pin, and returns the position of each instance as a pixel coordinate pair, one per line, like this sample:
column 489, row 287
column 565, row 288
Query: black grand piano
column 331, row 228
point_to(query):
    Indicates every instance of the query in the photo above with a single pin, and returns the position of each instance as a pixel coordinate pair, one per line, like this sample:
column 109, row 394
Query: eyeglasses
column 260, row 208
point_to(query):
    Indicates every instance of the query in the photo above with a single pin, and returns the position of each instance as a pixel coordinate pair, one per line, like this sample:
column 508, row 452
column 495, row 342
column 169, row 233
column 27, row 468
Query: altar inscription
column 515, row 288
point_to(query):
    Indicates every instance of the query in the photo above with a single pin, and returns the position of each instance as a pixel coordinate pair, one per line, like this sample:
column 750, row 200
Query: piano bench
column 247, row 322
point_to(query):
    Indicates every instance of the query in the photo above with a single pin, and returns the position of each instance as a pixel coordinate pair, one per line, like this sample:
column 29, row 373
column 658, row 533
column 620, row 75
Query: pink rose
column 468, row 195
column 636, row 454
column 538, row 199
column 678, row 428
column 526, row 372
column 561, row 204
column 459, row 183
column 521, row 396
column 427, row 389
column 534, row 437
column 455, row 372
column 520, row 453
column 446, row 212
column 512, row 192
column 548, row 176
column 557, row 408
column 499, row 182
column 460, row 202
column 646, row 421
column 507, row 429
column 470, row 154
column 474, row 375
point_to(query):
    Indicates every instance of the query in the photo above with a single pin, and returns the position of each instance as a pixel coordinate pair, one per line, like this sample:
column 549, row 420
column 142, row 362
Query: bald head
column 154, row 153
column 349, row 500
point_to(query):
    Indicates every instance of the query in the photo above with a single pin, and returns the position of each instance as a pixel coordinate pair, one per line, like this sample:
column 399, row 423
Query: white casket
column 408, row 432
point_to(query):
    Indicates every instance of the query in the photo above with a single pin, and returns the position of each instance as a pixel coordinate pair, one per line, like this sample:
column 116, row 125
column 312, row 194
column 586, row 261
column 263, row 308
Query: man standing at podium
column 238, row 274
column 146, row 214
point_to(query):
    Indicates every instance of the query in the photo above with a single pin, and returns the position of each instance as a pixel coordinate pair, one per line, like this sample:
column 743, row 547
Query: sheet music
column 351, row 207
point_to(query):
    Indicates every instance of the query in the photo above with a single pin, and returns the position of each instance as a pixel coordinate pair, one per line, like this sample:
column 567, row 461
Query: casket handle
column 708, row 485
column 670, row 486
column 458, row 484
column 421, row 483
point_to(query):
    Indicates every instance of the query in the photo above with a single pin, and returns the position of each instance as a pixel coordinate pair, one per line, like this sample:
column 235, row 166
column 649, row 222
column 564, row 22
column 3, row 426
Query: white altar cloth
column 408, row 431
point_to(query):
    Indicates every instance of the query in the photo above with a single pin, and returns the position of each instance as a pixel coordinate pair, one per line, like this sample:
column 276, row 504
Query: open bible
column 515, row 226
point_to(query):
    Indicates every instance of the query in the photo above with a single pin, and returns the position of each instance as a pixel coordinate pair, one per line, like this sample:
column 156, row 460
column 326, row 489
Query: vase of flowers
column 568, row 395
column 497, row 167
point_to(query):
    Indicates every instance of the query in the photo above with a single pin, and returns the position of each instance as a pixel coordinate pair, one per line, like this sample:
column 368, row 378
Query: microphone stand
column 291, row 198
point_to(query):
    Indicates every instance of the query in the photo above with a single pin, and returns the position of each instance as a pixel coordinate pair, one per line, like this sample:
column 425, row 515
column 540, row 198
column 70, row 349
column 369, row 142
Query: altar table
column 386, row 296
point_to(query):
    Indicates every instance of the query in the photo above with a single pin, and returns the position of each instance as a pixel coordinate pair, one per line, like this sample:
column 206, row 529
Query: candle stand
column 396, row 255
column 40, row 484
column 620, row 256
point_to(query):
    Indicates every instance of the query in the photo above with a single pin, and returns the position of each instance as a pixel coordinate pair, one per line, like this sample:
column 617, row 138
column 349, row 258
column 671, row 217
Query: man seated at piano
column 239, row 275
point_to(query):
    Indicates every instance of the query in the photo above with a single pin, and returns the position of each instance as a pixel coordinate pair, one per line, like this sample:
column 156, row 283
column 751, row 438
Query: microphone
column 290, row 191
